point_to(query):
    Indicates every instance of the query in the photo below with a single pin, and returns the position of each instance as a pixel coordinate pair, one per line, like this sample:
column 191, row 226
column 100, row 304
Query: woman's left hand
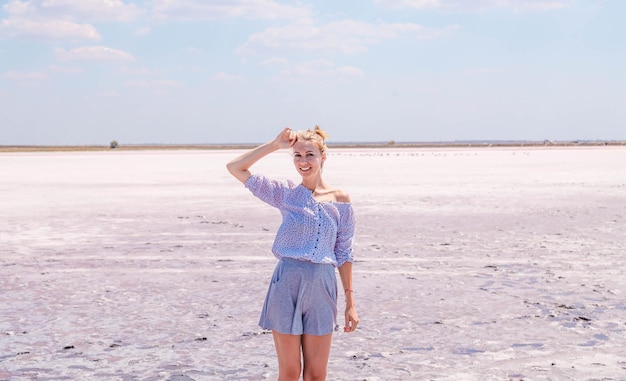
column 352, row 319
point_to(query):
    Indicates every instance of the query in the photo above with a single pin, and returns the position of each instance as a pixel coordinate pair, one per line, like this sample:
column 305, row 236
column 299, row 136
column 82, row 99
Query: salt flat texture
column 473, row 264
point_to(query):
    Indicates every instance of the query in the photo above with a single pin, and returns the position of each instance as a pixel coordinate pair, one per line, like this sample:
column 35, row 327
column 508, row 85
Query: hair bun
column 321, row 132
column 316, row 136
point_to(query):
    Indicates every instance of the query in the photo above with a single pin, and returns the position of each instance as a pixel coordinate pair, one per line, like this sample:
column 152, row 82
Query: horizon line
column 114, row 145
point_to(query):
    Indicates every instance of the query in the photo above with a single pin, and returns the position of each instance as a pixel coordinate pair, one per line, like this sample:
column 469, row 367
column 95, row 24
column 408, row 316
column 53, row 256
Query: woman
column 315, row 236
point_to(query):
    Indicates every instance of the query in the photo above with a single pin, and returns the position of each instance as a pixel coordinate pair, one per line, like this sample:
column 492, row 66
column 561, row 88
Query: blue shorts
column 301, row 299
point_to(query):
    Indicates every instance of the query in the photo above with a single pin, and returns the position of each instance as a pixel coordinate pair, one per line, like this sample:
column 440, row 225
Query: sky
column 238, row 71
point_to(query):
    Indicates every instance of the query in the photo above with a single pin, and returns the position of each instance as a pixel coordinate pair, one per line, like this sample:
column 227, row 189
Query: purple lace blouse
column 320, row 232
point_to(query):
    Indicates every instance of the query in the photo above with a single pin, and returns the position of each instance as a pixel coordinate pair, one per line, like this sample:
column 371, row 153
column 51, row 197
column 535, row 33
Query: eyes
column 308, row 155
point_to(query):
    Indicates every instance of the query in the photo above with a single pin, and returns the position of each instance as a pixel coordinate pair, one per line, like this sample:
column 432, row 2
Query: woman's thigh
column 315, row 353
column 288, row 353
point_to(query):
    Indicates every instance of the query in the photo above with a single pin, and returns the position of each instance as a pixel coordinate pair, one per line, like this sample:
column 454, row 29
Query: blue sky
column 192, row 71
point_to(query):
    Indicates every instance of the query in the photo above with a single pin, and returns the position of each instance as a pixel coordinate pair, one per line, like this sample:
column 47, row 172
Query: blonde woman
column 315, row 237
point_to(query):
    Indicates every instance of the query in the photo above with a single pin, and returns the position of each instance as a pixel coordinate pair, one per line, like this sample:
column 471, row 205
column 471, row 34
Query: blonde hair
column 317, row 136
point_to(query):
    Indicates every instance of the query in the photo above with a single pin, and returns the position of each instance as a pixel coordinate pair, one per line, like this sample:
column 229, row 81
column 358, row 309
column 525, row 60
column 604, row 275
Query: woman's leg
column 288, row 353
column 316, row 351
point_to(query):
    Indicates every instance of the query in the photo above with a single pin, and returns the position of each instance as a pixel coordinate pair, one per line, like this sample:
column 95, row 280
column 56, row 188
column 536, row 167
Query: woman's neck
column 314, row 184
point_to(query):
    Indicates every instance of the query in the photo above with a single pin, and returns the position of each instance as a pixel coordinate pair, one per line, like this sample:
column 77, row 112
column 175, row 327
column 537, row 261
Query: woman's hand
column 240, row 166
column 352, row 320
column 286, row 139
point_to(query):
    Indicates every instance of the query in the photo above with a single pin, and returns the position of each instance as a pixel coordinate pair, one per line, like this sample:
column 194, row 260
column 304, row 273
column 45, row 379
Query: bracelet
column 349, row 290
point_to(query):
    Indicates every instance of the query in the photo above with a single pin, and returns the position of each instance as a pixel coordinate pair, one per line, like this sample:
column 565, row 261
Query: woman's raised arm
column 240, row 166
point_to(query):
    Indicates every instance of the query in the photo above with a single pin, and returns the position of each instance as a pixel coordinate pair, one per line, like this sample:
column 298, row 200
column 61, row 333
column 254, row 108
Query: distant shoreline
column 379, row 145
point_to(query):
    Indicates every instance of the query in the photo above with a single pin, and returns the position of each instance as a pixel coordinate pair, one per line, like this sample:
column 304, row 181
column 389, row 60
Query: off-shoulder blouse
column 320, row 232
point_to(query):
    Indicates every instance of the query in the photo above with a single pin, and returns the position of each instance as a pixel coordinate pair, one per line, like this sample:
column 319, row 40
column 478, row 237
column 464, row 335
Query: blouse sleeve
column 268, row 190
column 345, row 236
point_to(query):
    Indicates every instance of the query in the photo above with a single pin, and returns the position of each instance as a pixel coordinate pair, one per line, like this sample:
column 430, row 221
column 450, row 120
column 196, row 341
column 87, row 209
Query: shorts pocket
column 278, row 273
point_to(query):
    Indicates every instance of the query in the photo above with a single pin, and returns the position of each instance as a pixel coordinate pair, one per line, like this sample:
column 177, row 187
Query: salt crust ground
column 473, row 264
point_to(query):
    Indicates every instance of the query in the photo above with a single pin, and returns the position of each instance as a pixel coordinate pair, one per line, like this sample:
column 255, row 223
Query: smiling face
column 307, row 158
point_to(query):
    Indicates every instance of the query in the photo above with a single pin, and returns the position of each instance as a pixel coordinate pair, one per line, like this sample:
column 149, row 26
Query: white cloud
column 485, row 70
column 409, row 3
column 538, row 5
column 48, row 29
column 347, row 36
column 19, row 8
column 162, row 83
column 214, row 10
column 326, row 68
column 84, row 10
column 350, row 71
column 66, row 69
column 275, row 61
column 93, row 53
column 221, row 76
column 21, row 76
column 135, row 71
column 110, row 94
column 25, row 78
column 316, row 70
column 193, row 50
column 143, row 31
column 461, row 5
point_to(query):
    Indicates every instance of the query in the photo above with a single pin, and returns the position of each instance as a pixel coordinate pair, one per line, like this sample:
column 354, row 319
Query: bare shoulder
column 341, row 196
